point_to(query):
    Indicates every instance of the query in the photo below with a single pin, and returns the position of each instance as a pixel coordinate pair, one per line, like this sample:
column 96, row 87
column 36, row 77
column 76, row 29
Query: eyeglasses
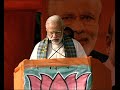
column 55, row 32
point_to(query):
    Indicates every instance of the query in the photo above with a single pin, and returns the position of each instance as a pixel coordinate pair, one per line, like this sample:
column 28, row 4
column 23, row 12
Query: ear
column 108, row 43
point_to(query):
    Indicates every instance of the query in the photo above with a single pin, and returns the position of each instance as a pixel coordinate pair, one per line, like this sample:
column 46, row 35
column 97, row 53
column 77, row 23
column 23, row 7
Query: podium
column 53, row 74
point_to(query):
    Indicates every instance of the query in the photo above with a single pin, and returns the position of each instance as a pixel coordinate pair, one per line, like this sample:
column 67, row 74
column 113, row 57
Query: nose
column 54, row 35
column 78, row 26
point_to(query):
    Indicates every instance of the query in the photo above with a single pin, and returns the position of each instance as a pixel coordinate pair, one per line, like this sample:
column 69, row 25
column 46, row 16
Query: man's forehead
column 62, row 6
column 71, row 2
column 82, row 13
column 52, row 25
column 53, row 29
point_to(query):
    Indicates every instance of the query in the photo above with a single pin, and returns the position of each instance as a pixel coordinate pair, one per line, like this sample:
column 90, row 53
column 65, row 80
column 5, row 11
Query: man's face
column 54, row 32
column 80, row 15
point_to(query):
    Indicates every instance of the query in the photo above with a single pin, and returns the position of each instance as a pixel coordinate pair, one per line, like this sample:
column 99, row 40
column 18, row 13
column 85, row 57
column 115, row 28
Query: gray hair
column 55, row 19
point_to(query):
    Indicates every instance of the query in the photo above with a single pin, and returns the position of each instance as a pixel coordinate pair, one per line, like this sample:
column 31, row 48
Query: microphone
column 69, row 32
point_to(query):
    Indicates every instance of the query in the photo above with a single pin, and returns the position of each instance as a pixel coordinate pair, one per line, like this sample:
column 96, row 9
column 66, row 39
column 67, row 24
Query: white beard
column 56, row 41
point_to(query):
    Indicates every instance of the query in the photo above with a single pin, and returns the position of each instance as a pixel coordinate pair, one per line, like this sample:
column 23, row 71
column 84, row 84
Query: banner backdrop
column 67, row 8
column 19, row 31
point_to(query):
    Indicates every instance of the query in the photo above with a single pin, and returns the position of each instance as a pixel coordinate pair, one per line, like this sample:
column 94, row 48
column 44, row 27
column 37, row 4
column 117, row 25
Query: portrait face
column 110, row 39
column 82, row 16
column 54, row 32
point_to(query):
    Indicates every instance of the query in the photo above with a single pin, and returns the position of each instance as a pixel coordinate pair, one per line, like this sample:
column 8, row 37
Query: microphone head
column 69, row 32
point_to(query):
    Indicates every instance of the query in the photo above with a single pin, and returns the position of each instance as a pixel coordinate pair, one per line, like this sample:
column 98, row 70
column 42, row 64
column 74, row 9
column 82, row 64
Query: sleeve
column 79, row 49
column 34, row 52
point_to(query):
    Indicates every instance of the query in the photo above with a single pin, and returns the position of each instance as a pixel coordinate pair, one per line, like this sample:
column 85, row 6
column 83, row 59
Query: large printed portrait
column 88, row 20
column 90, row 23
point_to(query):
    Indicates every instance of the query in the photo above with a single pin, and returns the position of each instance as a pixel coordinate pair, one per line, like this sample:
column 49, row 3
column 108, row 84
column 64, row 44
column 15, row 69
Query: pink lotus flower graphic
column 58, row 83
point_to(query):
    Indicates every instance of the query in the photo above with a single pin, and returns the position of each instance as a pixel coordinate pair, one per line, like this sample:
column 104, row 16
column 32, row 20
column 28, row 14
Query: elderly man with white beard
column 56, row 44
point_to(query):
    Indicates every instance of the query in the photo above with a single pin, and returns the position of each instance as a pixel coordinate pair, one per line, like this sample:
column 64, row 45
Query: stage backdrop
column 19, row 28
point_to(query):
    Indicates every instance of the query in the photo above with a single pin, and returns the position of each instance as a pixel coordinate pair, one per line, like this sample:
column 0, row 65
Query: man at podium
column 56, row 44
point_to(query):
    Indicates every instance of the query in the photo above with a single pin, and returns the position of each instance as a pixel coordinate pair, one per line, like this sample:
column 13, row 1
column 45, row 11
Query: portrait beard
column 56, row 41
